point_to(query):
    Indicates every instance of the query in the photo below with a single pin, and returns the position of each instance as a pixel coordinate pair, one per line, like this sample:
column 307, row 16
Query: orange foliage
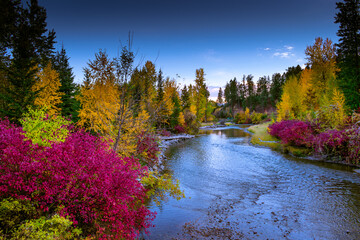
column 48, row 85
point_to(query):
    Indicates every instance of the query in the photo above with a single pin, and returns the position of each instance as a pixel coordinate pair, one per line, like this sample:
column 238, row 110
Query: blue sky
column 228, row 38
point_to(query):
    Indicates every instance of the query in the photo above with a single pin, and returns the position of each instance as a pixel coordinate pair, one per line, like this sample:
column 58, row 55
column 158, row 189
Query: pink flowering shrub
column 330, row 142
column 353, row 146
column 80, row 178
column 344, row 143
column 293, row 132
column 164, row 133
column 147, row 149
column 179, row 129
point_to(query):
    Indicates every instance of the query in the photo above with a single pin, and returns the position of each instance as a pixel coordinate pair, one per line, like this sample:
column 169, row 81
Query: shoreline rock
column 213, row 126
column 165, row 143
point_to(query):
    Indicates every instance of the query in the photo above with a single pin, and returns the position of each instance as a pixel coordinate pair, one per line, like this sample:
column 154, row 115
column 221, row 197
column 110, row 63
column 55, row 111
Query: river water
column 238, row 191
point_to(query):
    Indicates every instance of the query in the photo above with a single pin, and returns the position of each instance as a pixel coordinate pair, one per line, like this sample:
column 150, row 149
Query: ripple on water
column 238, row 191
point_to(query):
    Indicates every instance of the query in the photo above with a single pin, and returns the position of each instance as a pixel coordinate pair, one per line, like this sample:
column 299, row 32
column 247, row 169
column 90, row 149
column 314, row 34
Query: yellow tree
column 284, row 108
column 293, row 98
column 47, row 86
column 200, row 94
column 322, row 59
column 332, row 113
column 307, row 90
column 99, row 96
column 106, row 108
column 192, row 99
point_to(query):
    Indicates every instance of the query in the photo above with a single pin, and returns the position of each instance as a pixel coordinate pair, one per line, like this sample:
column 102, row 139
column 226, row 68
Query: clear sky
column 228, row 38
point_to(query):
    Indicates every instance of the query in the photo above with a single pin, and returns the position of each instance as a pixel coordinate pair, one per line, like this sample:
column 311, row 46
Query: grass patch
column 298, row 151
column 205, row 124
column 261, row 137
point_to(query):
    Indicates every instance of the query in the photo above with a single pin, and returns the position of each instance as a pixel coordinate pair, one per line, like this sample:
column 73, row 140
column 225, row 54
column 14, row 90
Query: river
column 238, row 191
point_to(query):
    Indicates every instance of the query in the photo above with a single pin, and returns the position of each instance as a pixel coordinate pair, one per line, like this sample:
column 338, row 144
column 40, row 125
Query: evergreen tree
column 348, row 19
column 277, row 82
column 185, row 98
column 293, row 71
column 220, row 96
column 262, row 92
column 31, row 48
column 174, row 118
column 200, row 97
column 69, row 106
column 8, row 19
column 160, row 87
column 242, row 93
column 250, row 92
column 231, row 94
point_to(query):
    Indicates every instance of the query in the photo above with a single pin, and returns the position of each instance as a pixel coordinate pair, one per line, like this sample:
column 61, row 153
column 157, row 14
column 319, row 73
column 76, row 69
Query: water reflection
column 235, row 190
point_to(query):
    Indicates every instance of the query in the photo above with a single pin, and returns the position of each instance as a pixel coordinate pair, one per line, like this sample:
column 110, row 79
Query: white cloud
column 214, row 90
column 283, row 54
column 267, row 49
column 289, row 47
column 299, row 60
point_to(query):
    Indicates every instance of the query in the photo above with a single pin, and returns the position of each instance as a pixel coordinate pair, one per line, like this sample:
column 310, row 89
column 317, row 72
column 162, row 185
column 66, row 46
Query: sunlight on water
column 238, row 191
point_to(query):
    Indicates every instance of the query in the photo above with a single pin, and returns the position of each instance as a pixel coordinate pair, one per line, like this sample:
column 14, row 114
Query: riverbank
column 261, row 137
column 239, row 191
column 211, row 125
column 166, row 142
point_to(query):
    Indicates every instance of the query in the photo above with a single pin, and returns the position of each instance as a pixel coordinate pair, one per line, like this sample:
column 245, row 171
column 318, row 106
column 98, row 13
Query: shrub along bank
column 304, row 138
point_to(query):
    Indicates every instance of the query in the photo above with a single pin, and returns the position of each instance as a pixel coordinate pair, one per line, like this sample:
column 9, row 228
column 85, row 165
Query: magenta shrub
column 331, row 141
column 81, row 178
column 293, row 132
column 179, row 129
column 147, row 148
column 353, row 146
column 164, row 133
column 344, row 143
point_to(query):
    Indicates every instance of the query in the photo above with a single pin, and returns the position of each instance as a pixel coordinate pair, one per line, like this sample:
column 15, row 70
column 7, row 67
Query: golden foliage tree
column 200, row 94
column 106, row 108
column 322, row 60
column 332, row 113
column 307, row 90
column 284, row 108
column 47, row 86
column 291, row 101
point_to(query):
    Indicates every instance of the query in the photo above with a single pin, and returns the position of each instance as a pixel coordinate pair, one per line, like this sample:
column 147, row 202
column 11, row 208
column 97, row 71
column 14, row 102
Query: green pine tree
column 69, row 106
column 31, row 48
column 348, row 60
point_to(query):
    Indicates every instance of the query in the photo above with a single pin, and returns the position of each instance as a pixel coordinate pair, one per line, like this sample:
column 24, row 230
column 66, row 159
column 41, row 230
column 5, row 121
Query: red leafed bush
column 80, row 177
column 353, row 146
column 147, row 149
column 293, row 132
column 179, row 129
column 164, row 133
column 331, row 141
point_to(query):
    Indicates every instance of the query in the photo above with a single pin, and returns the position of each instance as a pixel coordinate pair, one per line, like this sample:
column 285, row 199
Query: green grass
column 205, row 124
column 261, row 137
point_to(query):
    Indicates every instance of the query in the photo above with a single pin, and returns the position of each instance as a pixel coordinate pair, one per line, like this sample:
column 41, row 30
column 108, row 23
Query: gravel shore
column 166, row 142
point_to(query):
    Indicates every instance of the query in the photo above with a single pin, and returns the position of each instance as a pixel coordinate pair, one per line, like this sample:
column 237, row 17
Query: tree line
column 260, row 96
column 34, row 75
column 328, row 66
